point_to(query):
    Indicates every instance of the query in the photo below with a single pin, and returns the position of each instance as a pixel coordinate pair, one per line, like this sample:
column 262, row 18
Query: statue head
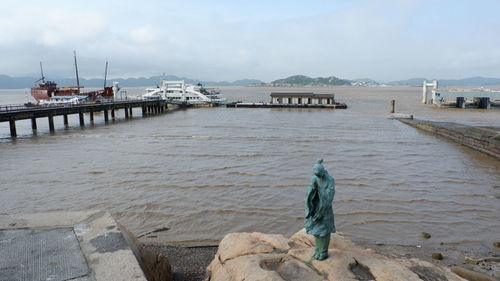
column 318, row 168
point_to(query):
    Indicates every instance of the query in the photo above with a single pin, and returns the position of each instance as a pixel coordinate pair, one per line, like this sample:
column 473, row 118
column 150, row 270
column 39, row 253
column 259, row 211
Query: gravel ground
column 188, row 263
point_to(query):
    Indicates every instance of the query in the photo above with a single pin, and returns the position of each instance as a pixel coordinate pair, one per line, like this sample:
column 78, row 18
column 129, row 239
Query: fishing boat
column 181, row 93
column 49, row 92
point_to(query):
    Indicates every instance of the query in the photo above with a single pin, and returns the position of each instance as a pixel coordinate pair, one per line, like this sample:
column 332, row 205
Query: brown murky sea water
column 209, row 171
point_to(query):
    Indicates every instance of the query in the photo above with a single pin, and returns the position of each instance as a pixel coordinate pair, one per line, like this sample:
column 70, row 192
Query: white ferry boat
column 178, row 92
column 64, row 100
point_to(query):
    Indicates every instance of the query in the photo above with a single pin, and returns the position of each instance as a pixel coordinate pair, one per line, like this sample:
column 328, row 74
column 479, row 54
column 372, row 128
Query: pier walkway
column 12, row 113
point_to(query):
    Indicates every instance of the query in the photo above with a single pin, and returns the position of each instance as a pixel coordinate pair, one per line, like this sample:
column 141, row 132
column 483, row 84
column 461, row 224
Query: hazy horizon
column 265, row 40
column 213, row 82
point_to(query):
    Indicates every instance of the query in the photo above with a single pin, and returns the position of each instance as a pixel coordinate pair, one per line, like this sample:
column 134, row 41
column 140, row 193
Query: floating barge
column 271, row 105
column 295, row 100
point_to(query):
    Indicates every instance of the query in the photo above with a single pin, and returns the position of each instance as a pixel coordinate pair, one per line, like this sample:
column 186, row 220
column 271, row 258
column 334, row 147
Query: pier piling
column 113, row 114
column 20, row 112
column 51, row 122
column 460, row 102
column 12, row 124
column 82, row 120
column 393, row 106
column 33, row 123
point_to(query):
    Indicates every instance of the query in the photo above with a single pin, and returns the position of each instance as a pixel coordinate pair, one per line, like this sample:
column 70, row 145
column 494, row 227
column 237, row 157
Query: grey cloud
column 385, row 42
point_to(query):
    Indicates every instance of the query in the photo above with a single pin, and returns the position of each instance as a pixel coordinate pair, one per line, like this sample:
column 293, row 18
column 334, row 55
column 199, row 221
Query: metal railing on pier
column 14, row 112
column 32, row 106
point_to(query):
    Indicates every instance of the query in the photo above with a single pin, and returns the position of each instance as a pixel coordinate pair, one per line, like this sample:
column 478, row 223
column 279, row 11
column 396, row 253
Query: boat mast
column 41, row 70
column 76, row 68
column 105, row 74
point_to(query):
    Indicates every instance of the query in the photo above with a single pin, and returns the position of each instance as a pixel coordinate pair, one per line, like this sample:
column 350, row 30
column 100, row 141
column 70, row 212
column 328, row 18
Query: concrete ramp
column 41, row 254
column 80, row 246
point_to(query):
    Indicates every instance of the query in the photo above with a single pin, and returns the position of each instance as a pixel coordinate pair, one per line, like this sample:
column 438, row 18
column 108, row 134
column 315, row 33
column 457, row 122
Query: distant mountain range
column 471, row 81
column 332, row 80
column 302, row 80
column 8, row 82
column 305, row 80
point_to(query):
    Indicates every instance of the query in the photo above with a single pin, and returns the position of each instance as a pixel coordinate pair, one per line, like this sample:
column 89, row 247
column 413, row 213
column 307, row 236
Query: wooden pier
column 20, row 112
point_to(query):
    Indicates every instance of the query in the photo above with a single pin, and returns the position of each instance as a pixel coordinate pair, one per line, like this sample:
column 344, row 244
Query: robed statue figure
column 319, row 210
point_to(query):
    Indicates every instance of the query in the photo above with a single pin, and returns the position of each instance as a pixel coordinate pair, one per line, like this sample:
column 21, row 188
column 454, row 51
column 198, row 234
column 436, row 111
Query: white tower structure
column 428, row 91
column 118, row 93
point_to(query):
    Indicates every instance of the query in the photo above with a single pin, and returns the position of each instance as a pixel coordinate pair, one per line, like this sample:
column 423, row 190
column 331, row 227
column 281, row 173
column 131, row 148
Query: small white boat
column 64, row 100
column 178, row 92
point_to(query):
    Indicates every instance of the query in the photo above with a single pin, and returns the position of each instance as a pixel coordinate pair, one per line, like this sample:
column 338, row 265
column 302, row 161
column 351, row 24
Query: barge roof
column 301, row 94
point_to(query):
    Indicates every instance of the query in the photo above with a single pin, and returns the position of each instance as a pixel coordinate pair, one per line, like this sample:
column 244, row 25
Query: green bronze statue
column 319, row 210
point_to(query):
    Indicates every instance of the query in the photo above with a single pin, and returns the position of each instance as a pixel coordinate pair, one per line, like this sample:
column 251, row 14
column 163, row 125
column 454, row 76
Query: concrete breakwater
column 484, row 139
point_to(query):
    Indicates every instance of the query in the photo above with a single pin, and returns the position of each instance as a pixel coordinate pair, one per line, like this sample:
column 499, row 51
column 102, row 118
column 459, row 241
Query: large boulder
column 273, row 257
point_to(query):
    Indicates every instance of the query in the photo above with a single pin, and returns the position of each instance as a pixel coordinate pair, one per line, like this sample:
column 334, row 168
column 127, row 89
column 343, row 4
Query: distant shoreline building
column 301, row 98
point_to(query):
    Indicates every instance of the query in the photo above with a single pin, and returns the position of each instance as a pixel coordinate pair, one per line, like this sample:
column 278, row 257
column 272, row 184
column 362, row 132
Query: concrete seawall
column 484, row 139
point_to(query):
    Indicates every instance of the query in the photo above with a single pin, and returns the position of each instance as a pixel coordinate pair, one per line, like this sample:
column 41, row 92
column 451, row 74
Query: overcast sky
column 266, row 40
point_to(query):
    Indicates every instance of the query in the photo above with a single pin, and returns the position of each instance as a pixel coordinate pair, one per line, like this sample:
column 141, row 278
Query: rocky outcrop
column 273, row 257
